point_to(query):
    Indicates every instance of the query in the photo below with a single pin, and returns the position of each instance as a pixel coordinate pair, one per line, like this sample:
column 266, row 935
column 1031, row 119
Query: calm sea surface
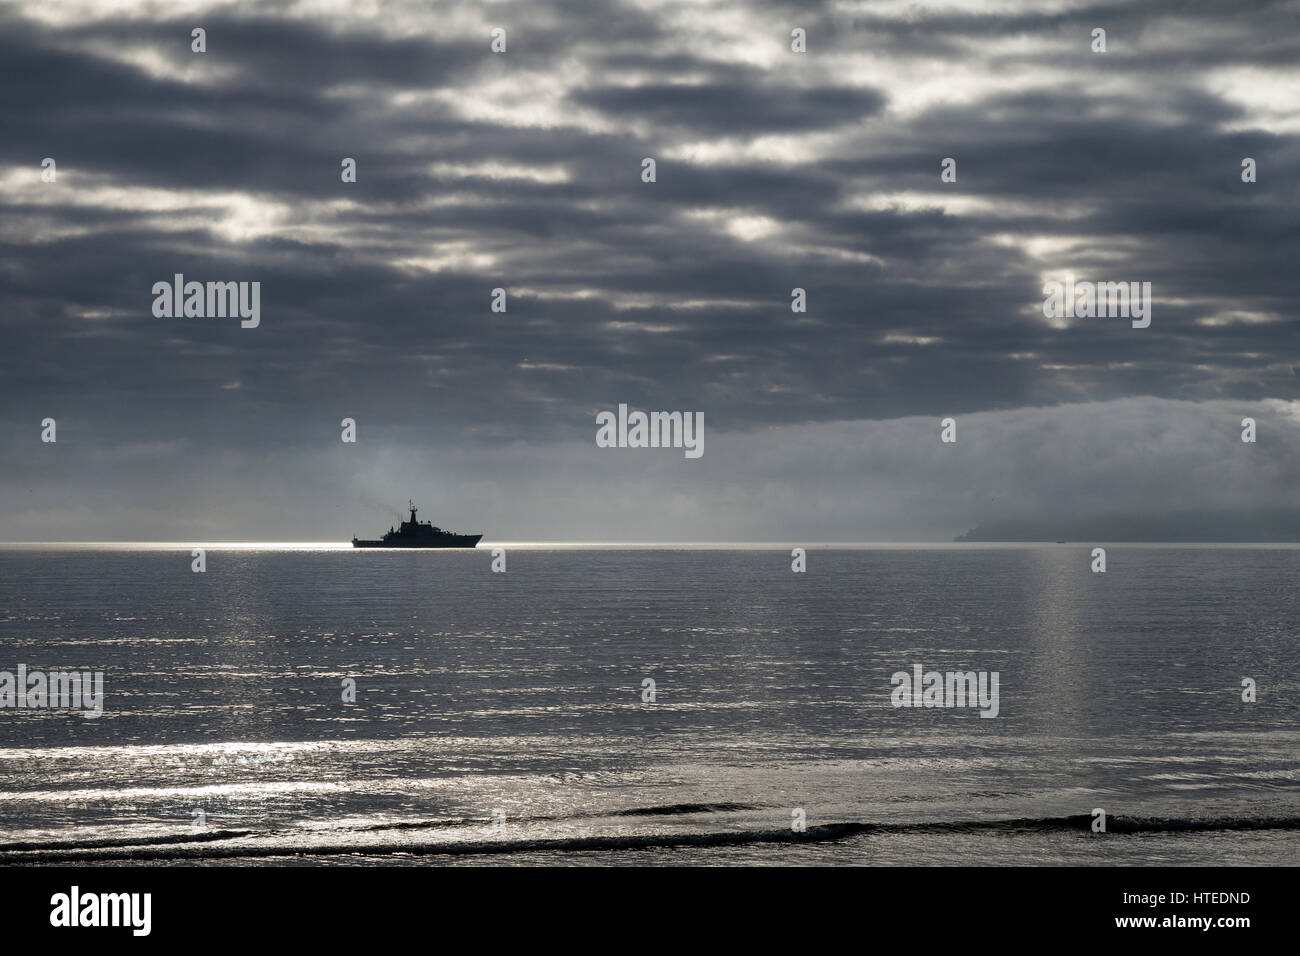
column 225, row 737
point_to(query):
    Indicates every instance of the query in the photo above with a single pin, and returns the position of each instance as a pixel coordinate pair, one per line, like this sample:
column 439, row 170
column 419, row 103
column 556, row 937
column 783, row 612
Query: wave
column 109, row 842
column 674, row 809
column 305, row 843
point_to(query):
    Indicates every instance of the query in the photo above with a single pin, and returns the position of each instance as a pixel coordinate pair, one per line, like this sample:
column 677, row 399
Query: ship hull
column 447, row 541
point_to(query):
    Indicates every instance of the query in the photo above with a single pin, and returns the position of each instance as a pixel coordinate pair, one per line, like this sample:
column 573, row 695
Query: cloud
column 521, row 171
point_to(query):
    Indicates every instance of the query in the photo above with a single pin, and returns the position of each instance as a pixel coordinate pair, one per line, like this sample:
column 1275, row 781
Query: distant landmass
column 1273, row 525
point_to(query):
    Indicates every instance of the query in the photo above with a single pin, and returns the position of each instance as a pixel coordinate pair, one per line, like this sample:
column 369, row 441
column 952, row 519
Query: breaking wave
column 430, row 837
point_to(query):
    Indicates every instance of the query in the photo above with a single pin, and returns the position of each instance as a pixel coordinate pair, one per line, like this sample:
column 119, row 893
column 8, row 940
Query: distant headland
column 1237, row 526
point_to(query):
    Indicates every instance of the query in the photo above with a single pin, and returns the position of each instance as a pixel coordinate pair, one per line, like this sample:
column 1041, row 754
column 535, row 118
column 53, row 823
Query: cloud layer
column 521, row 170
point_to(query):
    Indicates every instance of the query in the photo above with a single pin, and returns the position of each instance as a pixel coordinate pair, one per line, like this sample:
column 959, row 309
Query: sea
column 671, row 705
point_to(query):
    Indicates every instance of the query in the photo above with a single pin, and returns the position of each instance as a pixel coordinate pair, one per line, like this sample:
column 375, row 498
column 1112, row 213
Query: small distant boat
column 1060, row 542
column 419, row 534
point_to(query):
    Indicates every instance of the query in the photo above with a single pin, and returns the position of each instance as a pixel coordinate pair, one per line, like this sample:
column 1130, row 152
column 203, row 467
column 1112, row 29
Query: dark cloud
column 736, row 108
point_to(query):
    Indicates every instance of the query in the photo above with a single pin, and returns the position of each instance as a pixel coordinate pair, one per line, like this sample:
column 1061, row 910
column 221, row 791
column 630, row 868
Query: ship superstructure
column 419, row 534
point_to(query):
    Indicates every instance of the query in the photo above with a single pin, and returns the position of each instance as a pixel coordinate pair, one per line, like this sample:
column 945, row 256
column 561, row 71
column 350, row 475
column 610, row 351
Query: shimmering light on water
column 521, row 693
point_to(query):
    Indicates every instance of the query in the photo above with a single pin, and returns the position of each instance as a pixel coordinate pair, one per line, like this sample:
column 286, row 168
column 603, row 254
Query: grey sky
column 522, row 170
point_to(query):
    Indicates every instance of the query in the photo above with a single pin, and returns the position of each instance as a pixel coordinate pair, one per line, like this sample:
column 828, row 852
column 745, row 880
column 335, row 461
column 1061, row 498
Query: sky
column 523, row 170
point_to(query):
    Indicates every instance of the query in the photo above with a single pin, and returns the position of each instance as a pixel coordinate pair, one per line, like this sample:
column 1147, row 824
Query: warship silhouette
column 419, row 534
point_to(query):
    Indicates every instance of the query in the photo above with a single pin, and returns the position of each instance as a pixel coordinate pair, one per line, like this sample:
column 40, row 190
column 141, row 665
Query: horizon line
column 336, row 545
